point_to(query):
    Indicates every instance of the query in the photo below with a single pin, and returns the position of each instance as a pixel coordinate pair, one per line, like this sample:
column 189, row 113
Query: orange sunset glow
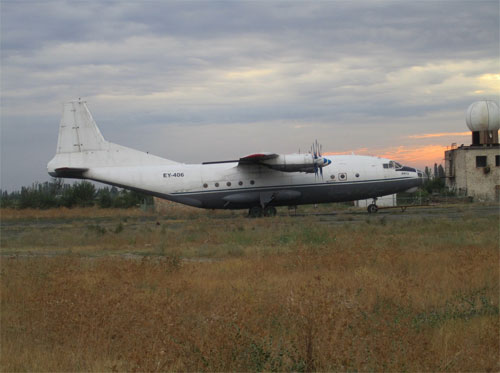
column 416, row 156
column 443, row 134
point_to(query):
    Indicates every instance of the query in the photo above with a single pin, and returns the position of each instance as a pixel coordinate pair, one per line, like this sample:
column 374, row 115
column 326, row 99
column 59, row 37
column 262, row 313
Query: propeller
column 316, row 150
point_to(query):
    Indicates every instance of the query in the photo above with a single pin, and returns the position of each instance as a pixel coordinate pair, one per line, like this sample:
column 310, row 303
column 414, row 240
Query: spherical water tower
column 483, row 119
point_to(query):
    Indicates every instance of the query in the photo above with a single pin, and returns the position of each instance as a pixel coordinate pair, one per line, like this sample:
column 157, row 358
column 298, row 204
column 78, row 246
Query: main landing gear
column 372, row 208
column 257, row 211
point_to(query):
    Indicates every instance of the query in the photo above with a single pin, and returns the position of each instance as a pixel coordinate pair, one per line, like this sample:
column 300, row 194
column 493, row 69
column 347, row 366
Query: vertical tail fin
column 78, row 131
column 81, row 146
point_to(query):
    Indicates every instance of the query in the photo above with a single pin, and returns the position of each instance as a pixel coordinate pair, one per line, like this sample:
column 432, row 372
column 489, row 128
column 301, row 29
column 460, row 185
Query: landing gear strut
column 257, row 211
column 373, row 208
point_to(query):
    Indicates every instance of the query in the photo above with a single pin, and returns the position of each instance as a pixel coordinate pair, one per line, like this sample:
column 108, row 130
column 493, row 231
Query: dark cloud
column 148, row 67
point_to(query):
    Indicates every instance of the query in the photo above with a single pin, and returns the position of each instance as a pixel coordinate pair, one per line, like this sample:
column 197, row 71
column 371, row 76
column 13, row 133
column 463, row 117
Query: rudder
column 78, row 132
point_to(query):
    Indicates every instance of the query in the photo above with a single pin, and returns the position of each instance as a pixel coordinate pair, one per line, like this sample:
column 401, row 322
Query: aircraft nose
column 422, row 176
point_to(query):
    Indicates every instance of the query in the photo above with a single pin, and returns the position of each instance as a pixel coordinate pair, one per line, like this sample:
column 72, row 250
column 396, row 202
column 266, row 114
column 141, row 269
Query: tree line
column 56, row 193
column 435, row 182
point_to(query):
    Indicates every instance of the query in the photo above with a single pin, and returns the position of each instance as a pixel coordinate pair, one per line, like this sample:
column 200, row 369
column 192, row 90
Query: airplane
column 259, row 182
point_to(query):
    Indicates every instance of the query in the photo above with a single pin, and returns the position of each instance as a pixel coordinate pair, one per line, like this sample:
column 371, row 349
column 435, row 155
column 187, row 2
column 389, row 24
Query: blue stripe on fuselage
column 288, row 186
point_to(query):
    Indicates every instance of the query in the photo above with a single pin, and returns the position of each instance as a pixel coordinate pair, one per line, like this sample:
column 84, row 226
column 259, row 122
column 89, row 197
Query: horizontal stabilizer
column 69, row 172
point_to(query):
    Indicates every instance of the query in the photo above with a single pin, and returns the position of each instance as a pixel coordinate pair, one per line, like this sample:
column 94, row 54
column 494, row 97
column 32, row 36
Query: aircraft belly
column 307, row 194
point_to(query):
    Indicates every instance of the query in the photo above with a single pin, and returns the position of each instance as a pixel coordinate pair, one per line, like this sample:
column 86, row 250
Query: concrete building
column 474, row 170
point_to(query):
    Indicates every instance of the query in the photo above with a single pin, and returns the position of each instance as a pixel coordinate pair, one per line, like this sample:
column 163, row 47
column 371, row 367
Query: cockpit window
column 392, row 164
column 395, row 165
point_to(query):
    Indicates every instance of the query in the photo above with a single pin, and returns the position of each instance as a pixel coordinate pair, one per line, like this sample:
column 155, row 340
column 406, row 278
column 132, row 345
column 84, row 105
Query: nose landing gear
column 373, row 208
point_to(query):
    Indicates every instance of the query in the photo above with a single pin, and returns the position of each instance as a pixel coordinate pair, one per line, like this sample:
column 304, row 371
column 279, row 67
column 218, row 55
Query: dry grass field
column 194, row 290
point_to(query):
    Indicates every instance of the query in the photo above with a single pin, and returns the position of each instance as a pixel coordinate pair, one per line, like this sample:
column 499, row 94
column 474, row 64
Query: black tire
column 372, row 209
column 255, row 212
column 270, row 211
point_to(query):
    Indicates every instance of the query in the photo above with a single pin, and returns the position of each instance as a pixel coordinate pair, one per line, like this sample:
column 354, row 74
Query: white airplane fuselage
column 83, row 153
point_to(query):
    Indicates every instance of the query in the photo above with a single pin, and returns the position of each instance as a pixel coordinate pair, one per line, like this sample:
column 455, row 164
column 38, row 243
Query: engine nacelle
column 296, row 163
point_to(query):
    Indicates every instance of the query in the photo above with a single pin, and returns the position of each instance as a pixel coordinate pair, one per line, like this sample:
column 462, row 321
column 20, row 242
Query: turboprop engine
column 309, row 162
column 297, row 163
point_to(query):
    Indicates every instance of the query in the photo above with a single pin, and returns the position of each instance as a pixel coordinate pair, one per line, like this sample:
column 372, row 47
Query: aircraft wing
column 309, row 163
column 249, row 160
column 256, row 158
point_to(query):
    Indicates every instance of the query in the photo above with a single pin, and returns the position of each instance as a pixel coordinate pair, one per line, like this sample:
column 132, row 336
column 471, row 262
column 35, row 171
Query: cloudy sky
column 195, row 80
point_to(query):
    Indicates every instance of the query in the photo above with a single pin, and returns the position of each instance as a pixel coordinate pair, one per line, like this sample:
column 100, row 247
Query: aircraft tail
column 78, row 131
column 81, row 146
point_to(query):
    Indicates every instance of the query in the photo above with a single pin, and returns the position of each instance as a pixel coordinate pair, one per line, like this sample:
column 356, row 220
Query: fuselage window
column 240, row 182
column 216, row 185
column 386, row 165
column 342, row 176
column 228, row 183
column 252, row 182
column 357, row 175
column 332, row 177
column 205, row 185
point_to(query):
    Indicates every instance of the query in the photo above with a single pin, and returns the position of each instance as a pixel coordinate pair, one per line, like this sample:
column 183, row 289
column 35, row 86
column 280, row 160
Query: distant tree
column 66, row 197
column 427, row 172
column 126, row 199
column 84, row 194
column 441, row 174
column 104, row 198
column 55, row 193
column 435, row 170
column 114, row 192
column 6, row 199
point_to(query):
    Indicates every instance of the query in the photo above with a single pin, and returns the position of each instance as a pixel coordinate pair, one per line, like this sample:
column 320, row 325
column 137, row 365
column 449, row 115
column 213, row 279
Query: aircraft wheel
column 255, row 212
column 270, row 211
column 373, row 208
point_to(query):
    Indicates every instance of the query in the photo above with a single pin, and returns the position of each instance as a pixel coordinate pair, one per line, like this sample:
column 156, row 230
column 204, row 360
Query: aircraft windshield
column 396, row 165
column 393, row 164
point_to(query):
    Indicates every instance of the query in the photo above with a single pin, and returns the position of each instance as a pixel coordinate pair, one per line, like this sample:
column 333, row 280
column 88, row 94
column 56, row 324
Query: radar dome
column 483, row 116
